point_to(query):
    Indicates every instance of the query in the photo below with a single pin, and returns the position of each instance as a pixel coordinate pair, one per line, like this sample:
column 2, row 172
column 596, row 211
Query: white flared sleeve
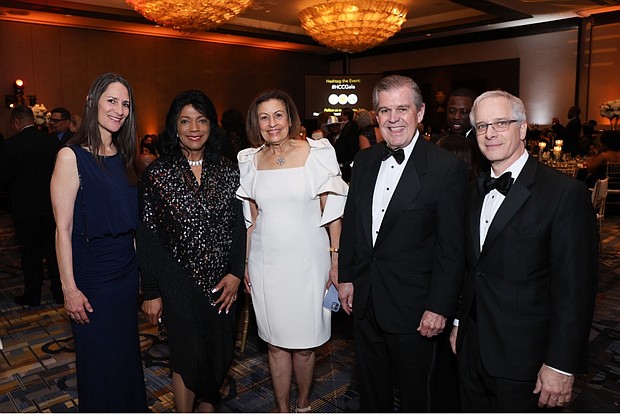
column 323, row 176
column 247, row 178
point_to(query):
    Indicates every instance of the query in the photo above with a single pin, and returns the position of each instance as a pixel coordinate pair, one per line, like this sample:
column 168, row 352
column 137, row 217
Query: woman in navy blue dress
column 94, row 197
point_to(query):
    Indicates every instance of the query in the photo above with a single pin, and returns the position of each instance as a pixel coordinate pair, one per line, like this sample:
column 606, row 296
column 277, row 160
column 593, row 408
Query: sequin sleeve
column 323, row 176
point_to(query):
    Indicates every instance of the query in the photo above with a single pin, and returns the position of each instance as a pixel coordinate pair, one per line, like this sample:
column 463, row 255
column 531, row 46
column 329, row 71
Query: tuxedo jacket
column 534, row 282
column 346, row 146
column 65, row 138
column 417, row 262
column 26, row 166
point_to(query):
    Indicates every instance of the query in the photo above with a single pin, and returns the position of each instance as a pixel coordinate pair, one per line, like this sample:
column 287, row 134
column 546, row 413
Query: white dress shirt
column 387, row 180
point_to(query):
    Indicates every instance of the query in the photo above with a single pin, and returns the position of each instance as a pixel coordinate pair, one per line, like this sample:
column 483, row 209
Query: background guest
column 26, row 165
column 60, row 121
column 76, row 122
column 321, row 120
column 462, row 148
column 346, row 143
column 571, row 132
column 147, row 153
column 95, row 203
column 191, row 245
column 234, row 124
column 369, row 133
column 293, row 192
column 608, row 152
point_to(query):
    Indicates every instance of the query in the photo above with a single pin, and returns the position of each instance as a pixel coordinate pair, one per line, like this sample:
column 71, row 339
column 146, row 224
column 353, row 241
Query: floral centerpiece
column 41, row 116
column 611, row 111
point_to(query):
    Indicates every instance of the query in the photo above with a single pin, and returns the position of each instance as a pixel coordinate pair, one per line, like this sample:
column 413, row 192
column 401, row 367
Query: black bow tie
column 502, row 184
column 398, row 154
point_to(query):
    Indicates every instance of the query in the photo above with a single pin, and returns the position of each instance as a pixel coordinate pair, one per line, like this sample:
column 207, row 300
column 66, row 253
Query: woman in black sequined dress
column 191, row 249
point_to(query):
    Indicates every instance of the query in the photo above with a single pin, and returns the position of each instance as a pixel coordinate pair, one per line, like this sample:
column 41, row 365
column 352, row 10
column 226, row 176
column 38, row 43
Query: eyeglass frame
column 494, row 125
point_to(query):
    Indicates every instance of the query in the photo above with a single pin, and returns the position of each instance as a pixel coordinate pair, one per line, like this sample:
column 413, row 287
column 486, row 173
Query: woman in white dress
column 293, row 202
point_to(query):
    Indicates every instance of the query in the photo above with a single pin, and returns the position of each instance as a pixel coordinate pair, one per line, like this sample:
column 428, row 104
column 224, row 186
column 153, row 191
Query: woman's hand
column 153, row 309
column 246, row 280
column 77, row 306
column 333, row 275
column 230, row 285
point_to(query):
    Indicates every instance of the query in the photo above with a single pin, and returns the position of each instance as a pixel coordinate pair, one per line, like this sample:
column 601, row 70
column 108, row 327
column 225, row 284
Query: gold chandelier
column 190, row 15
column 354, row 25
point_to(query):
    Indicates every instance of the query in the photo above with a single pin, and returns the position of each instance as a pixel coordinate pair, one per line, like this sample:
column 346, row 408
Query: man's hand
column 345, row 294
column 453, row 334
column 431, row 324
column 554, row 387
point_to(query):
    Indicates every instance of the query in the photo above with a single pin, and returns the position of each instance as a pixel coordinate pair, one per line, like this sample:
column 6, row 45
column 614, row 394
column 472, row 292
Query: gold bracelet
column 333, row 249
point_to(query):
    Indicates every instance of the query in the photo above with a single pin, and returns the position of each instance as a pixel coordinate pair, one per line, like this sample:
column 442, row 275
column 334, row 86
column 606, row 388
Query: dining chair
column 599, row 197
column 613, row 189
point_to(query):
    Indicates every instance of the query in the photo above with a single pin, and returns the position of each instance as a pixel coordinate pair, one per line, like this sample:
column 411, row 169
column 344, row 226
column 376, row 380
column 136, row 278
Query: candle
column 557, row 148
column 559, row 143
column 542, row 145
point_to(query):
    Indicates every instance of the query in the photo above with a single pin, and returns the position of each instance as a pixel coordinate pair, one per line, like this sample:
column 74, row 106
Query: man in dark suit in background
column 571, row 132
column 347, row 143
column 528, row 296
column 26, row 165
column 401, row 251
column 60, row 120
column 457, row 114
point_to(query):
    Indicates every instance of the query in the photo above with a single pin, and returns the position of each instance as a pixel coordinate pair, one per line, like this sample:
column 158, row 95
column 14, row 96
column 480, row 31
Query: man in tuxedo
column 346, row 144
column 401, row 251
column 60, row 120
column 26, row 165
column 528, row 296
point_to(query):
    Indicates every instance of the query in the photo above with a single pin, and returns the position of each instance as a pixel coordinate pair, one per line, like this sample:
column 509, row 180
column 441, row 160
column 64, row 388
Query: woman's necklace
column 280, row 160
column 195, row 163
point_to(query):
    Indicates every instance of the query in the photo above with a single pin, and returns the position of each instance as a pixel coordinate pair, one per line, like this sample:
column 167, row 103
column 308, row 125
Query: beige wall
column 58, row 64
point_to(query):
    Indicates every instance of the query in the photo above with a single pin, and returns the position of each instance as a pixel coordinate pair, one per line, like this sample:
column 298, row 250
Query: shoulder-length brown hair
column 252, row 127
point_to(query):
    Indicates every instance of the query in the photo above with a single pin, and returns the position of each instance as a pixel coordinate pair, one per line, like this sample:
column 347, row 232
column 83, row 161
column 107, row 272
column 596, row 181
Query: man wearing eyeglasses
column 60, row 121
column 528, row 295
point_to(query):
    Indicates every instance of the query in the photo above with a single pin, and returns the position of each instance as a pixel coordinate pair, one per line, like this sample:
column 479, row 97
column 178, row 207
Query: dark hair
column 466, row 92
column 462, row 148
column 64, row 113
column 611, row 139
column 152, row 146
column 21, row 112
column 252, row 126
column 169, row 144
column 348, row 112
column 124, row 139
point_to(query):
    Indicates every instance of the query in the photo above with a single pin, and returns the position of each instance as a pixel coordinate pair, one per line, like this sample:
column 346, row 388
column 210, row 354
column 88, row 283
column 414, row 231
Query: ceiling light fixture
column 354, row 25
column 190, row 15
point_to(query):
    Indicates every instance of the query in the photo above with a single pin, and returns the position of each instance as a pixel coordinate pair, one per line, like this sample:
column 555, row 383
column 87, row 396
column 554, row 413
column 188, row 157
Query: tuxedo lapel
column 515, row 199
column 407, row 189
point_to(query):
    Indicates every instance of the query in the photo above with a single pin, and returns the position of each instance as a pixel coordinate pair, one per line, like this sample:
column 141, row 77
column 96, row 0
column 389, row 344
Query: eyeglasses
column 53, row 120
column 499, row 126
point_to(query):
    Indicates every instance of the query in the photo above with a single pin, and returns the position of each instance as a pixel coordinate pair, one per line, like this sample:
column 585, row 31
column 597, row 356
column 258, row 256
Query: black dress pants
column 387, row 360
column 481, row 392
column 36, row 242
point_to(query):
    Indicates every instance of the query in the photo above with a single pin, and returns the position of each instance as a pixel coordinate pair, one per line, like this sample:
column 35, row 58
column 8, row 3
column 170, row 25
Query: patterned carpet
column 37, row 364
